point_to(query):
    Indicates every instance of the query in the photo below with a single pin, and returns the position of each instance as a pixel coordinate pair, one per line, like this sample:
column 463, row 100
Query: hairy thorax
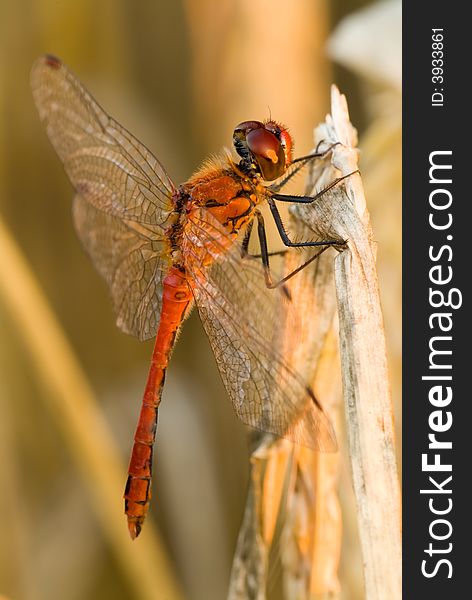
column 218, row 201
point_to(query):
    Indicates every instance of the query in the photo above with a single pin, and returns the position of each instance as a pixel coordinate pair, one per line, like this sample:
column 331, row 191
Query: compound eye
column 263, row 143
column 247, row 126
column 239, row 137
column 268, row 152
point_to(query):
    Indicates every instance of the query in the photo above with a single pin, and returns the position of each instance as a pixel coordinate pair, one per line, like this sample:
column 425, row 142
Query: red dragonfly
column 163, row 248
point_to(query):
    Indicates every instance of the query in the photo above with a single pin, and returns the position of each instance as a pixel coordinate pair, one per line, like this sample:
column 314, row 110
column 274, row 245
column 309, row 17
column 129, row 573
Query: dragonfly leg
column 245, row 244
column 303, row 200
column 310, row 199
column 316, row 154
column 299, row 268
column 265, row 258
column 284, row 235
column 247, row 237
column 300, row 163
column 264, row 251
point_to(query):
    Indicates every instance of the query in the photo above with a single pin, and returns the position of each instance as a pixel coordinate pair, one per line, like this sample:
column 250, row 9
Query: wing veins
column 220, row 300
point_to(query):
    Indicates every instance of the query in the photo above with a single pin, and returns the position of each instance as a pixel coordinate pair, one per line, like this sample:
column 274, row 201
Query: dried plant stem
column 342, row 212
column 370, row 422
column 73, row 405
column 250, row 565
column 327, row 534
column 311, row 539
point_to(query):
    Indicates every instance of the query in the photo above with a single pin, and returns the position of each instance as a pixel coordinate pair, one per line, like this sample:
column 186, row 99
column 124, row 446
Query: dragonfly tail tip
column 134, row 528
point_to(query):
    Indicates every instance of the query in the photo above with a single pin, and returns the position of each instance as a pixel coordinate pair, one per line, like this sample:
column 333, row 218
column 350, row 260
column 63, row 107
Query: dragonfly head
column 265, row 148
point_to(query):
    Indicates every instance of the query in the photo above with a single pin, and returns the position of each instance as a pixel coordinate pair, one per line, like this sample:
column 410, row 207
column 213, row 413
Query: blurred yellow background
column 179, row 75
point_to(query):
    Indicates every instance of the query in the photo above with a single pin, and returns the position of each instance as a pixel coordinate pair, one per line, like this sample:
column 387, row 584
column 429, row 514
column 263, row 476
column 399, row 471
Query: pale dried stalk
column 327, row 531
column 72, row 403
column 342, row 213
column 249, row 573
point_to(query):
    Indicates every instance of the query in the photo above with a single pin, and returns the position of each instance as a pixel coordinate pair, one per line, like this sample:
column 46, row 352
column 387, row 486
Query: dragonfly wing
column 246, row 324
column 108, row 166
column 131, row 259
column 124, row 196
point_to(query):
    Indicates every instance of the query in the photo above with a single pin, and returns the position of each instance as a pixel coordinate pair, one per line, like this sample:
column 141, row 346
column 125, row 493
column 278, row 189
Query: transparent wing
column 247, row 324
column 124, row 198
column 131, row 259
column 109, row 167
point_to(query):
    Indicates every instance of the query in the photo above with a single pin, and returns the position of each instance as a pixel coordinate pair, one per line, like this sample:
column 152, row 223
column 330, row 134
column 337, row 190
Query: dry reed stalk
column 342, row 213
column 327, row 534
column 312, row 532
column 89, row 440
column 249, row 574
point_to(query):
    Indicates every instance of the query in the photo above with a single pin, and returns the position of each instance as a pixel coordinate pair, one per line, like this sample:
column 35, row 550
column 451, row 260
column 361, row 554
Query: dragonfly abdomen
column 176, row 300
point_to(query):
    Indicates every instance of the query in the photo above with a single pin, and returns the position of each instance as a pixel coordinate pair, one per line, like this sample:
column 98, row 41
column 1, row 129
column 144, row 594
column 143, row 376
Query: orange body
column 176, row 299
column 231, row 203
